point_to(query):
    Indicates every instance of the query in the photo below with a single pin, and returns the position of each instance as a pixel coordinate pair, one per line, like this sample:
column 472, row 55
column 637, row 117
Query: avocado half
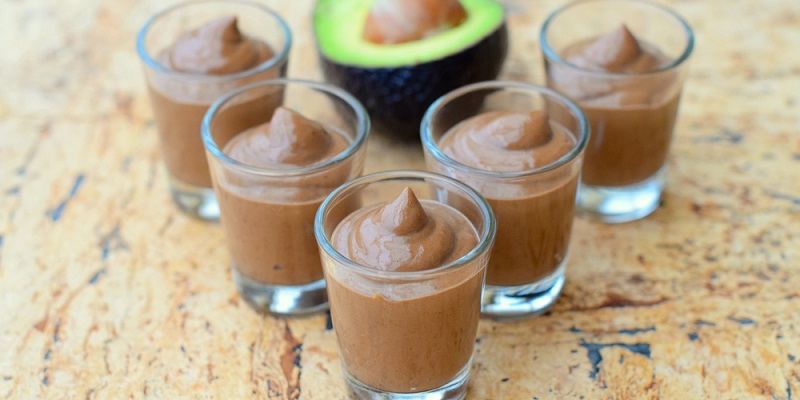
column 397, row 82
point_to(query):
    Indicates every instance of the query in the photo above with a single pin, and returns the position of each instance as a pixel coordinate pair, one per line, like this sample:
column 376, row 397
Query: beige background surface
column 107, row 291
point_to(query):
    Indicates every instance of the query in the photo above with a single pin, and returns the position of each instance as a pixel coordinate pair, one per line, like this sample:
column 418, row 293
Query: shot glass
column 180, row 99
column 268, row 213
column 632, row 113
column 534, row 207
column 405, row 335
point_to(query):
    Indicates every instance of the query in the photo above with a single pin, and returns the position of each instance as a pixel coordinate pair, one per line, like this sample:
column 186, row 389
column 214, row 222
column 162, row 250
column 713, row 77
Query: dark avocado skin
column 397, row 97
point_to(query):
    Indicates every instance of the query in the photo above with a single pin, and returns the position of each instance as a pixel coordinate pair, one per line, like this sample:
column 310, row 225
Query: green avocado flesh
column 339, row 27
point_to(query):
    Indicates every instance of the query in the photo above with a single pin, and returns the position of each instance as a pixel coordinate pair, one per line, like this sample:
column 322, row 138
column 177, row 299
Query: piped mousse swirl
column 632, row 109
column 404, row 235
column 289, row 140
column 270, row 221
column 216, row 48
column 617, row 51
column 503, row 141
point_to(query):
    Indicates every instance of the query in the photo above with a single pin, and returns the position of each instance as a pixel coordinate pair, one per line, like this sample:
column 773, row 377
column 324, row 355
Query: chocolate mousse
column 632, row 112
column 534, row 220
column 215, row 50
column 269, row 223
column 405, row 335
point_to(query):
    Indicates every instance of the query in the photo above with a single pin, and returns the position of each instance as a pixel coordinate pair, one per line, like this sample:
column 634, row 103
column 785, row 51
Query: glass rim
column 485, row 236
column 554, row 56
column 433, row 147
column 279, row 58
column 362, row 129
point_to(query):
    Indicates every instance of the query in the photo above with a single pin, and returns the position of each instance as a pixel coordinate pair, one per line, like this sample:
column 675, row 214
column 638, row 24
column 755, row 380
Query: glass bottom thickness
column 524, row 301
column 196, row 201
column 282, row 299
column 455, row 389
column 621, row 204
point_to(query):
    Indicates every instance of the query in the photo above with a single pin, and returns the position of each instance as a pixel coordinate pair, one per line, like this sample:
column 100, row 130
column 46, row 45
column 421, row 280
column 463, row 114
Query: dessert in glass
column 271, row 176
column 193, row 53
column 521, row 146
column 404, row 255
column 624, row 62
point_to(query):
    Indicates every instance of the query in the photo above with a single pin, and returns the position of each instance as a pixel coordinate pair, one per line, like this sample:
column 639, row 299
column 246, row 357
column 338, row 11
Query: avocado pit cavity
column 400, row 21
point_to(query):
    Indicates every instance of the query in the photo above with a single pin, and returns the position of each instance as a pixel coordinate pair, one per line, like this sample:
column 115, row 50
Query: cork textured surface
column 107, row 291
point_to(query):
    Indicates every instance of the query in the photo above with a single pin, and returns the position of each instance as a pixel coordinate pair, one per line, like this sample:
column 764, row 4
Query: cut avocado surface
column 339, row 26
column 397, row 82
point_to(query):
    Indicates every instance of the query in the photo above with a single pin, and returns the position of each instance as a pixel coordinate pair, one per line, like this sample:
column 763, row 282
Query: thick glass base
column 620, row 204
column 456, row 389
column 524, row 301
column 282, row 299
column 198, row 202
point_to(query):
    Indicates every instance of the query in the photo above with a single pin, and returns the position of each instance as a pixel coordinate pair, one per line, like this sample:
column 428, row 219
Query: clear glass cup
column 181, row 99
column 405, row 335
column 534, row 207
column 268, row 214
column 632, row 114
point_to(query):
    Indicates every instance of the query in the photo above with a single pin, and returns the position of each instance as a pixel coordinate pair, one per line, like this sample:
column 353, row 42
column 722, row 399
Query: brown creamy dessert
column 405, row 337
column 272, row 241
column 215, row 49
column 534, row 222
column 632, row 114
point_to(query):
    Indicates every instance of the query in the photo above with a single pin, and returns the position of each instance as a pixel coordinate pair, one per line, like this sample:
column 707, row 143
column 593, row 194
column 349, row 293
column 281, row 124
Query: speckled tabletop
column 107, row 291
